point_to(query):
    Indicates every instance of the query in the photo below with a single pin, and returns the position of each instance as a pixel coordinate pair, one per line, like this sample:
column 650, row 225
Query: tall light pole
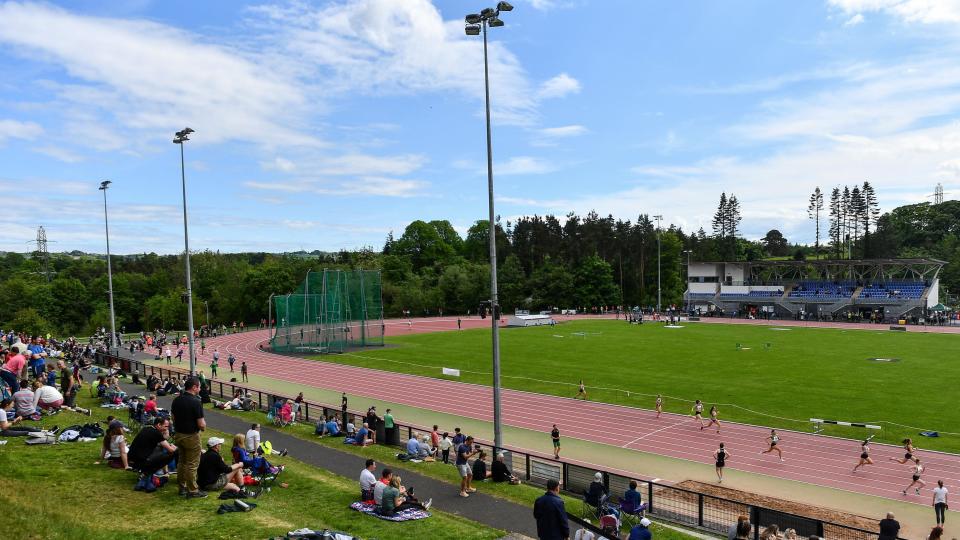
column 475, row 24
column 179, row 138
column 688, row 252
column 659, row 218
column 106, row 225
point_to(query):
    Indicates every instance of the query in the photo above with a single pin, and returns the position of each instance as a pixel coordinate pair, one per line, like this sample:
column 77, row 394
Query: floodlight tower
column 475, row 24
column 179, row 138
column 106, row 225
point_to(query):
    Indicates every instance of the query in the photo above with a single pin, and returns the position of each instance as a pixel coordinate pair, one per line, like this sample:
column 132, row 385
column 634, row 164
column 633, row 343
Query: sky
column 326, row 125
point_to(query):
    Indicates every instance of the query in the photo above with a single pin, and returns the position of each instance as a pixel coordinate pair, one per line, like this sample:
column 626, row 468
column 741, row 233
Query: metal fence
column 670, row 503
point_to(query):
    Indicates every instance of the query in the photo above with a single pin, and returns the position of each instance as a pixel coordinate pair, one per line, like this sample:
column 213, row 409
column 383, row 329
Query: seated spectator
column 790, row 534
column 51, row 375
column 150, row 451
column 425, row 452
column 413, row 446
column 641, row 531
column 215, row 475
column 286, row 412
column 351, row 430
column 378, row 488
column 11, row 427
column 23, row 400
column 500, row 472
column 12, row 366
column 150, row 407
column 368, row 481
column 772, row 532
column 480, row 472
column 596, row 492
column 328, row 427
column 732, row 531
column 253, row 459
column 361, row 438
column 396, row 498
column 114, row 448
column 631, row 501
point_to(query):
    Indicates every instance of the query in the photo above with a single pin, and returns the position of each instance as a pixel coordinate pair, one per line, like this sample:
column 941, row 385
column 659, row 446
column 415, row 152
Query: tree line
column 543, row 262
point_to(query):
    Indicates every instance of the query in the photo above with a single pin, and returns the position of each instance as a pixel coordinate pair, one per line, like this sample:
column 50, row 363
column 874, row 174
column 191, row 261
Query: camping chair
column 631, row 514
column 610, row 526
column 590, row 512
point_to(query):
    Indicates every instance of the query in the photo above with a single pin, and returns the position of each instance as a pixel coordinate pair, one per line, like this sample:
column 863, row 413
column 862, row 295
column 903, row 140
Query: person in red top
column 150, row 407
column 10, row 371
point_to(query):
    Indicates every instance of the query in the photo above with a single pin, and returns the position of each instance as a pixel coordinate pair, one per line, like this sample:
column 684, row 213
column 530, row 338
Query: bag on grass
column 41, row 438
column 91, row 431
column 70, row 434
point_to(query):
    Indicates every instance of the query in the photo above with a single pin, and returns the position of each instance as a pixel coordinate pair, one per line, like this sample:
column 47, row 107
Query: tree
column 813, row 212
column 29, row 321
column 720, row 218
column 594, row 283
column 836, row 221
column 512, row 284
column 775, row 244
column 870, row 215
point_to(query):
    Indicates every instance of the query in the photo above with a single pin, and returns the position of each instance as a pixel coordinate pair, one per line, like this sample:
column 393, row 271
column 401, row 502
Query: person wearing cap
column 551, row 515
column 215, row 475
column 641, row 531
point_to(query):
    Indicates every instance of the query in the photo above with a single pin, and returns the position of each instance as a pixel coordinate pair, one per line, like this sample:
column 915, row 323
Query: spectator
column 641, row 531
column 500, row 472
column 8, row 427
column 23, row 400
column 367, row 481
column 936, row 533
column 772, row 532
column 12, row 369
column 631, row 500
column 889, row 528
column 215, row 475
column 150, row 407
column 550, row 514
column 361, row 437
column 445, row 445
column 388, row 423
column 480, row 472
column 413, row 446
column 425, row 451
column 188, row 422
column 464, row 452
column 297, row 406
column 149, row 452
column 435, row 439
column 385, row 476
column 396, row 498
column 790, row 534
column 743, row 530
column 114, row 449
column 596, row 492
column 458, row 438
column 252, row 439
column 329, row 428
column 940, row 502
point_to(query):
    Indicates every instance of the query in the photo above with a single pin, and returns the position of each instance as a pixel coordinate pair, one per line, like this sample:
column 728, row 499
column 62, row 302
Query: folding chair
column 590, row 512
column 610, row 526
column 631, row 514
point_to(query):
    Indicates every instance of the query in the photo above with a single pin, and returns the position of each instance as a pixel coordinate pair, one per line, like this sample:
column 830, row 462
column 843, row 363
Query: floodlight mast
column 477, row 23
column 179, row 138
column 106, row 225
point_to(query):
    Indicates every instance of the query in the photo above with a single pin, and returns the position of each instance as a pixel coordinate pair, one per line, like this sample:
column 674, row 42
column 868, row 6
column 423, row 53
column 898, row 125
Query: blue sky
column 325, row 125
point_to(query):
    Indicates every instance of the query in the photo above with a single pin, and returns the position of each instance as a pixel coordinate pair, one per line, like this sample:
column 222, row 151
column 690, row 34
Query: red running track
column 815, row 459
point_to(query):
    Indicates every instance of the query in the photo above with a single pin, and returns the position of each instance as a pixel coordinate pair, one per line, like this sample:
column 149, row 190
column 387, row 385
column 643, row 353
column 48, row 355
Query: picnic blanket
column 403, row 515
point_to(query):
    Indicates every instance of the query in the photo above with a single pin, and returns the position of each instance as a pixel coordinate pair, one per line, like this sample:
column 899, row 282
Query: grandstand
column 880, row 290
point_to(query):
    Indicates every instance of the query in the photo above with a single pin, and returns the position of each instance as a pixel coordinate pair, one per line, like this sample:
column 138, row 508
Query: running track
column 814, row 459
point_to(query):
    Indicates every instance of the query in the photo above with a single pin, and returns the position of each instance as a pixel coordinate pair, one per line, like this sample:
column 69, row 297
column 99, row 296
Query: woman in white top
column 917, row 471
column 940, row 502
column 115, row 448
column 773, row 439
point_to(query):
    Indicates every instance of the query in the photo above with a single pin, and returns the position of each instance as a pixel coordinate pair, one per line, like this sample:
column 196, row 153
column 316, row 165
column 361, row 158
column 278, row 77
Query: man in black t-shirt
column 188, row 422
column 889, row 528
column 150, row 450
column 213, row 474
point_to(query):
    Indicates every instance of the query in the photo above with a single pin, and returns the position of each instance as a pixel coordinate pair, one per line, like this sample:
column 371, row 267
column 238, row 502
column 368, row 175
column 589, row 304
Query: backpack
column 70, row 434
column 91, row 431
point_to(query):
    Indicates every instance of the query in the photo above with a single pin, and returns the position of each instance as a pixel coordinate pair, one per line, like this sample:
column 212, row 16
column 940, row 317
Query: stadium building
column 880, row 290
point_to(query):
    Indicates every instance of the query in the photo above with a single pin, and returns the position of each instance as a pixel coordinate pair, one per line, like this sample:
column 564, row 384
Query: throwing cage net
column 332, row 311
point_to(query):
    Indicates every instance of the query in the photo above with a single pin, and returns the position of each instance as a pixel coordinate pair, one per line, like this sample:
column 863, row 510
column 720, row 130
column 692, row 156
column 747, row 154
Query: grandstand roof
column 830, row 262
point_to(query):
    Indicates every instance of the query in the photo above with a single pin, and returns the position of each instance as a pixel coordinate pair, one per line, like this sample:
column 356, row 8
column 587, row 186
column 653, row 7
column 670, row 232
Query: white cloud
column 924, row 11
column 856, row 19
column 279, row 164
column 523, row 165
column 562, row 131
column 14, row 129
column 58, row 153
column 379, row 186
column 148, row 76
column 559, row 86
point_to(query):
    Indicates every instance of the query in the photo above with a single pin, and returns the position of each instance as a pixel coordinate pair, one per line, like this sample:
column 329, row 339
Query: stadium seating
column 823, row 290
column 894, row 289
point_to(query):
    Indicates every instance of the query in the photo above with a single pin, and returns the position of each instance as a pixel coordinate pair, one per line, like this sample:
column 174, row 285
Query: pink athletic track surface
column 814, row 459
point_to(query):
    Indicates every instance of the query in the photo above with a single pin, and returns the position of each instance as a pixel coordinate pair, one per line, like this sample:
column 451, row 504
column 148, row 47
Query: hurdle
column 819, row 422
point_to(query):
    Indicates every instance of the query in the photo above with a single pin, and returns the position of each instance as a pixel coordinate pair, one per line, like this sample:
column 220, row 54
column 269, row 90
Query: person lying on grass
column 215, row 475
column 13, row 427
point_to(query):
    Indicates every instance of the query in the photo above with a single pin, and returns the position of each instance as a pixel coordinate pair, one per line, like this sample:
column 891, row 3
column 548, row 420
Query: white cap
column 645, row 522
column 213, row 441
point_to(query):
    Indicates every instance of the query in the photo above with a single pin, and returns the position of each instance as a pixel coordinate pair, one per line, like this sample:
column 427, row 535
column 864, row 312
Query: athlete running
column 908, row 446
column 581, row 391
column 713, row 419
column 864, row 455
column 773, row 439
column 917, row 471
column 698, row 412
column 659, row 405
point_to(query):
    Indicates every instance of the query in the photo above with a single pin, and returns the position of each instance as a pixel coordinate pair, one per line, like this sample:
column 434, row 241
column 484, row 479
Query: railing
column 678, row 505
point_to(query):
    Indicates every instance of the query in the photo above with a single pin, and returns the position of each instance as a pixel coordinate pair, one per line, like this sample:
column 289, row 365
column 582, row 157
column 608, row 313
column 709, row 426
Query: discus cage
column 331, row 311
